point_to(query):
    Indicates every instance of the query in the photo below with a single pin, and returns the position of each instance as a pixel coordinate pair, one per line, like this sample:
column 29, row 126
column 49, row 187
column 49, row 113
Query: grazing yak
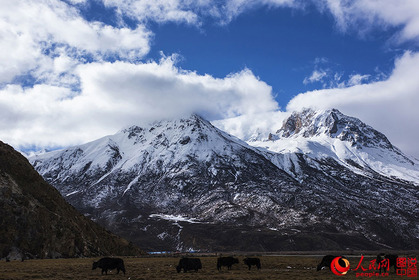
column 189, row 264
column 252, row 261
column 327, row 260
column 109, row 263
column 392, row 261
column 226, row 261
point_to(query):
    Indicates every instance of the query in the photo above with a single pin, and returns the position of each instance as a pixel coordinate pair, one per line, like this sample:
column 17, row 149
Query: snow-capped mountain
column 185, row 154
column 330, row 134
column 185, row 184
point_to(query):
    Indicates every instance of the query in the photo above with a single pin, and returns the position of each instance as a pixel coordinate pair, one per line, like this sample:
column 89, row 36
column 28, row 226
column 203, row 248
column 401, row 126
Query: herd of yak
column 194, row 264
column 185, row 264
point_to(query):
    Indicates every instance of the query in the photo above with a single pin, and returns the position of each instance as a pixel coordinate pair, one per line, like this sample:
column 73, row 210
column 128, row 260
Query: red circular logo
column 337, row 269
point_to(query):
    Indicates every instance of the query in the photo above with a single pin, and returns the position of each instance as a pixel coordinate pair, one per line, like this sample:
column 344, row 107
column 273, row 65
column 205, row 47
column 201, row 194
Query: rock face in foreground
column 184, row 184
column 36, row 221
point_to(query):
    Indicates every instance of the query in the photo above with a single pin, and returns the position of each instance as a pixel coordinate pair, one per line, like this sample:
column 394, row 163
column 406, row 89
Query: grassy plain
column 273, row 267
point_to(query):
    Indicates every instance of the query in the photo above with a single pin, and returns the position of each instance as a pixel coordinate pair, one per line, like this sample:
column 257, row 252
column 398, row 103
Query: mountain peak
column 192, row 121
column 191, row 131
column 309, row 123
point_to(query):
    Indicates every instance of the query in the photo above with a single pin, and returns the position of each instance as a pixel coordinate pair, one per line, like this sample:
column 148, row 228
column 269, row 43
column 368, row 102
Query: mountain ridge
column 136, row 181
column 329, row 133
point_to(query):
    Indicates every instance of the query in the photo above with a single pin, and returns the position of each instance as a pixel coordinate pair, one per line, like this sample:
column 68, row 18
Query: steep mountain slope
column 35, row 221
column 328, row 134
column 185, row 184
column 363, row 181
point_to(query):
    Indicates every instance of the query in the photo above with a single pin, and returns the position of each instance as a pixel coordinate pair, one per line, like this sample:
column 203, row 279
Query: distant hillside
column 36, row 221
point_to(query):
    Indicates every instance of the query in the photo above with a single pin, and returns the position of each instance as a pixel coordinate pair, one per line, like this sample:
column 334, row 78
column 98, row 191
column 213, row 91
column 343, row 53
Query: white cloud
column 77, row 1
column 316, row 76
column 159, row 89
column 362, row 15
column 328, row 79
column 389, row 106
column 192, row 12
column 324, row 75
column 114, row 95
column 357, row 79
column 33, row 31
column 255, row 126
column 158, row 10
column 321, row 60
column 233, row 8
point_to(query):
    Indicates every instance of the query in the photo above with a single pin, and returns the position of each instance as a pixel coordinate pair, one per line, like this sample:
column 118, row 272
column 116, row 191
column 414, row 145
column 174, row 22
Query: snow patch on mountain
column 175, row 218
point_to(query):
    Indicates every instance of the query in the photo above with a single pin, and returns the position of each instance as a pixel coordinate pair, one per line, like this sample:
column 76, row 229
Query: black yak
column 109, row 263
column 226, row 261
column 327, row 260
column 189, row 264
column 252, row 261
column 386, row 261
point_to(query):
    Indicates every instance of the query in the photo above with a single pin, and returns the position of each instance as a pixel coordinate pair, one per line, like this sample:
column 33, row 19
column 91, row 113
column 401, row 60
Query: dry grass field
column 273, row 267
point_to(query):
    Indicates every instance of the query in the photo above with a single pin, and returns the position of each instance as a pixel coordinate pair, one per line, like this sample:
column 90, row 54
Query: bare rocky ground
column 273, row 267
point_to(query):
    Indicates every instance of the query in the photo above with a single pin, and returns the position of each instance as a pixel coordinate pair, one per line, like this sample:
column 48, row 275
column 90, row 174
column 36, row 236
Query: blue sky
column 280, row 46
column 75, row 70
